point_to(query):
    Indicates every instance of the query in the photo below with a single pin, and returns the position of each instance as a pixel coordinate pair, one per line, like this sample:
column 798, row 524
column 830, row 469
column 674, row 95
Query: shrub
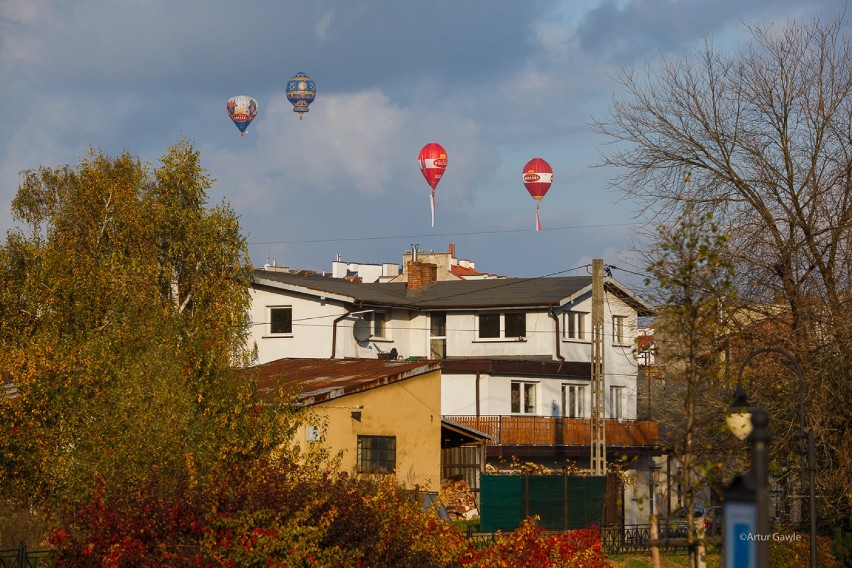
column 531, row 547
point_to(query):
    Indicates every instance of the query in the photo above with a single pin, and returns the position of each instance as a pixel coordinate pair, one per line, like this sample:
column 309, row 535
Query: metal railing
column 22, row 558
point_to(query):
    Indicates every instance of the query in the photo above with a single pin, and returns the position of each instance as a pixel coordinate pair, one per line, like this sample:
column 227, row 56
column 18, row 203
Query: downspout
column 477, row 396
column 334, row 330
column 558, row 353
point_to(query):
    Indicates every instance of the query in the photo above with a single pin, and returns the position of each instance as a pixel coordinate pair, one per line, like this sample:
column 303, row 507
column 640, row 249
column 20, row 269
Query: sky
column 495, row 82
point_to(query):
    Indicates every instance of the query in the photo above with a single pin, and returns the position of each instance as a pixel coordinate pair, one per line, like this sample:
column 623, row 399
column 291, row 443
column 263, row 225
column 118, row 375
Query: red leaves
column 531, row 547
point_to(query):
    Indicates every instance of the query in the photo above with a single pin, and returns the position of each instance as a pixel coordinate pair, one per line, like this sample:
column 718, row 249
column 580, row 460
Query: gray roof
column 448, row 294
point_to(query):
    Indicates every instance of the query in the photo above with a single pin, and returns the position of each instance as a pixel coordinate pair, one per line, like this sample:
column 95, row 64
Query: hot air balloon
column 301, row 92
column 537, row 176
column 433, row 162
column 242, row 110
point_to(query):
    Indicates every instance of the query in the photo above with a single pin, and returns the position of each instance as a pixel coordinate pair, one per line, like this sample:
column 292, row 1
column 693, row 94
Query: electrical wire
column 469, row 233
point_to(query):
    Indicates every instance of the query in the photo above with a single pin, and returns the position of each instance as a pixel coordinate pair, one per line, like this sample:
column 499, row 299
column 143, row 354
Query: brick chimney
column 421, row 274
column 452, row 250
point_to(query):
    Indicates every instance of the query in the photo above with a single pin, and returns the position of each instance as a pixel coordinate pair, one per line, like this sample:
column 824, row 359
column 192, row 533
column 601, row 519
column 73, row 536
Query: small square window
column 376, row 454
column 280, row 320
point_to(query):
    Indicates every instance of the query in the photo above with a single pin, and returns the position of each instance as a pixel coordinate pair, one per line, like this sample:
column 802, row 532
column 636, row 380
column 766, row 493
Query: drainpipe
column 558, row 339
column 334, row 330
column 477, row 396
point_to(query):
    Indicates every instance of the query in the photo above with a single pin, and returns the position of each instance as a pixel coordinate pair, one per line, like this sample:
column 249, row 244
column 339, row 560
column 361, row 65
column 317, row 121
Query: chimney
column 452, row 250
column 421, row 274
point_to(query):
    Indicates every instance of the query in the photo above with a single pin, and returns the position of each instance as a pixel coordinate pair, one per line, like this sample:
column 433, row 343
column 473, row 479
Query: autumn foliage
column 136, row 431
column 279, row 517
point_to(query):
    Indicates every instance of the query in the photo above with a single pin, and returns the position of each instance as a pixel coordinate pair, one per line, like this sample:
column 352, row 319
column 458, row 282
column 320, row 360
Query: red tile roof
column 459, row 270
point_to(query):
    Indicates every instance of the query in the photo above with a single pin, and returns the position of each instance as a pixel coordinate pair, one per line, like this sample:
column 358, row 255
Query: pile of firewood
column 458, row 500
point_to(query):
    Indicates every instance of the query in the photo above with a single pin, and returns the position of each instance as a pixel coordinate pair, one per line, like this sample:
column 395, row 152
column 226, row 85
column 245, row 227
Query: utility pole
column 598, row 461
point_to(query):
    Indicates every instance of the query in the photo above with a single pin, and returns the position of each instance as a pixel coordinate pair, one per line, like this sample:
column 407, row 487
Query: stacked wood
column 459, row 500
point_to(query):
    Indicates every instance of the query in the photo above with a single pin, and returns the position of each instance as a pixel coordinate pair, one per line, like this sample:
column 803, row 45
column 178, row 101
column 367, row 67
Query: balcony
column 560, row 434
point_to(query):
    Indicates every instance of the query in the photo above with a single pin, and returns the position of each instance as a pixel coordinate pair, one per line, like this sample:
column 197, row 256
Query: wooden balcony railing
column 553, row 431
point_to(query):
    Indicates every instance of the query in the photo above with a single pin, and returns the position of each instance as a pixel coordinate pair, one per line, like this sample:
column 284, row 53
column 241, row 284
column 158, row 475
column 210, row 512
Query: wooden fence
column 555, row 431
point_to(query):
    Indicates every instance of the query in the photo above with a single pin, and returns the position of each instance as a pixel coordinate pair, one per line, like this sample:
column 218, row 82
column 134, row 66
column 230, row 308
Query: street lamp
column 743, row 423
column 746, row 500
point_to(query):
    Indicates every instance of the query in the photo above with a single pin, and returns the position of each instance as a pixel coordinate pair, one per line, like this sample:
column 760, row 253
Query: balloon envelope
column 433, row 162
column 301, row 92
column 242, row 109
column 537, row 176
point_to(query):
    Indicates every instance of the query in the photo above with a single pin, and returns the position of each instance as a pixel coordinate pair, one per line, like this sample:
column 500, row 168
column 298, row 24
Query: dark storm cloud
column 639, row 29
column 350, row 45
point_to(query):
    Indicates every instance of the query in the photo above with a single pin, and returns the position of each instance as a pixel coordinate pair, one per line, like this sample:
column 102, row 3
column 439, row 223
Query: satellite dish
column 361, row 330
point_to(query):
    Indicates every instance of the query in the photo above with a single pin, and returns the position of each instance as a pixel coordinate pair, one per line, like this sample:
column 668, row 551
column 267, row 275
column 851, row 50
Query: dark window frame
column 376, row 454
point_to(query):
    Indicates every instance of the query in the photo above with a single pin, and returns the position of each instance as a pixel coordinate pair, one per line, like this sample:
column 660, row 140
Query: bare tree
column 763, row 137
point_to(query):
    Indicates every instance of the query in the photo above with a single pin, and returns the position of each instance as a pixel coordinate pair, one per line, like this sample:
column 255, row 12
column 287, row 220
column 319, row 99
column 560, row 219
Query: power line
column 429, row 235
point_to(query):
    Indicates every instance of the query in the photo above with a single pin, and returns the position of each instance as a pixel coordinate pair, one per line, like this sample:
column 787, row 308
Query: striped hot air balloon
column 301, row 92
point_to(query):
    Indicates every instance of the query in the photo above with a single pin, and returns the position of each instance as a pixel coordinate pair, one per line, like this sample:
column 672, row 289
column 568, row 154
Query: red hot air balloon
column 433, row 162
column 537, row 176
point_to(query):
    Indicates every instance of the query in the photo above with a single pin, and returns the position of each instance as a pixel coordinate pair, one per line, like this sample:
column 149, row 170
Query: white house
column 515, row 352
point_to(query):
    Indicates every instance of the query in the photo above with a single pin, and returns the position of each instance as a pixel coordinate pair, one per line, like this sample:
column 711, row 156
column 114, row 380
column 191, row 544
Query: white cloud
column 322, row 27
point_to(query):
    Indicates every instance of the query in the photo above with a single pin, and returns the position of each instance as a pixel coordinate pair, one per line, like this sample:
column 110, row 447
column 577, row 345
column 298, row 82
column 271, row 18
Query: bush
column 531, row 547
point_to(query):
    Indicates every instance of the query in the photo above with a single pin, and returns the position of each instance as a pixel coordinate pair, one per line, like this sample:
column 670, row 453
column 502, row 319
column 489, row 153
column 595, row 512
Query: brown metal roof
column 319, row 380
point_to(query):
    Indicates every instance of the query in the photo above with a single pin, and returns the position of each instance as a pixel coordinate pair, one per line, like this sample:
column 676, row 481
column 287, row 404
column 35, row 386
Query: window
column 574, row 401
column 438, row 333
column 496, row 325
column 516, row 324
column 378, row 324
column 489, row 326
column 438, row 324
column 616, row 403
column 376, row 454
column 523, row 397
column 618, row 324
column 280, row 320
column 574, row 325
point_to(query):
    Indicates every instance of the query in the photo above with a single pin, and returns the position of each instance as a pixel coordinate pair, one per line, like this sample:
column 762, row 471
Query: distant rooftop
column 448, row 294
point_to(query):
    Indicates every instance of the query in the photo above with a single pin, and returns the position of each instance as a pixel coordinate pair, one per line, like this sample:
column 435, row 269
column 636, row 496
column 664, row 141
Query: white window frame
column 437, row 343
column 619, row 330
column 574, row 400
column 524, row 406
column 378, row 321
column 502, row 333
column 575, row 326
column 616, row 403
column 269, row 311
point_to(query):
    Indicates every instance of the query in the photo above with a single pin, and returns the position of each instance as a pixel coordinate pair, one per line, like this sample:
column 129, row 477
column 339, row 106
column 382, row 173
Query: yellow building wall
column 409, row 409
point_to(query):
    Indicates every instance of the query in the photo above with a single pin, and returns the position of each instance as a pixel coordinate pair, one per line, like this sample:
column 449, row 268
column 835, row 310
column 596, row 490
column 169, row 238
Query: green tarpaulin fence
column 561, row 501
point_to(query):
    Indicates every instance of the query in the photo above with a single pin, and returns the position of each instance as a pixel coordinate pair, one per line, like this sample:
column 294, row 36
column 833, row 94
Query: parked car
column 710, row 518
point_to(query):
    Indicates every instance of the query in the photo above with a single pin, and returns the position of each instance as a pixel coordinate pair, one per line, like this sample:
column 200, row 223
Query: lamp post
column 744, row 424
column 746, row 500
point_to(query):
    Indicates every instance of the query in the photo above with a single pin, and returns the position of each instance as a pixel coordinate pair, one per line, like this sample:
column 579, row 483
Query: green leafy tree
column 123, row 318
